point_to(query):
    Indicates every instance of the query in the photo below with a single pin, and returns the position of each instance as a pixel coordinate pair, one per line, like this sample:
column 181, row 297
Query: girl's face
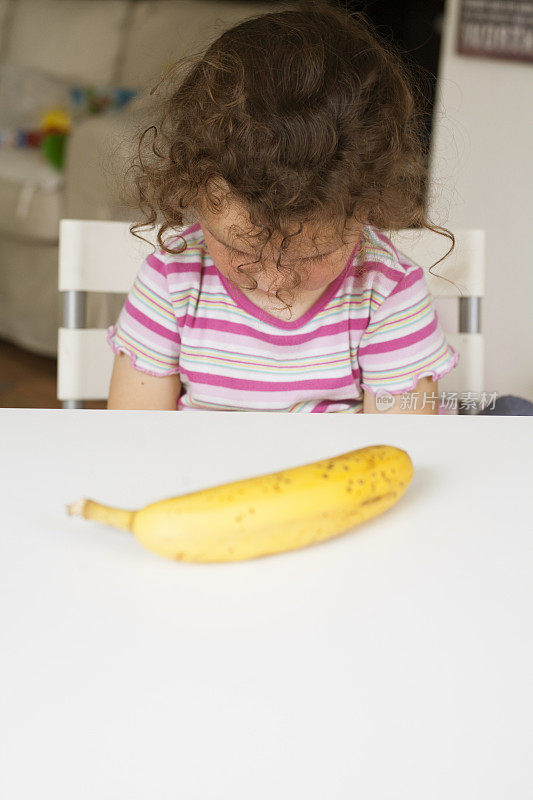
column 318, row 263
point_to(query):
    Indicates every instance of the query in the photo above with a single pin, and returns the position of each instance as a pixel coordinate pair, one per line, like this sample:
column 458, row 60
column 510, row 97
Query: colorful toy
column 95, row 99
column 55, row 126
column 57, row 120
column 56, row 123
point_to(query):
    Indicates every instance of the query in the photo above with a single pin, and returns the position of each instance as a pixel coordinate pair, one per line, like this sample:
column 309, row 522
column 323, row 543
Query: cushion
column 31, row 195
column 26, row 94
column 75, row 39
column 161, row 31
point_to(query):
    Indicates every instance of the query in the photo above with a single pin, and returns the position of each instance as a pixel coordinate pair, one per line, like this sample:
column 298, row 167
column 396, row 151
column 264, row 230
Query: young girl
column 290, row 145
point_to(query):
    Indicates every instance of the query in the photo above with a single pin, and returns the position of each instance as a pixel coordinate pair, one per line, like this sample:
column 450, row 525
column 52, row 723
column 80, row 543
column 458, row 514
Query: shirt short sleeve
column 404, row 340
column 147, row 328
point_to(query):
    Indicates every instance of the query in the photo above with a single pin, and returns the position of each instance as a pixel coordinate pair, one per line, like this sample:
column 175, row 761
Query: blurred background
column 74, row 77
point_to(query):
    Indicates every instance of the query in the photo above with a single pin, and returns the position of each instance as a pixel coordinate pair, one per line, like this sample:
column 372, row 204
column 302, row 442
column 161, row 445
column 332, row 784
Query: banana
column 266, row 514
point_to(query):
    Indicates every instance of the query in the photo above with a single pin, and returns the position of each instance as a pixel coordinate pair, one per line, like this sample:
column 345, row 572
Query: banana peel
column 266, row 514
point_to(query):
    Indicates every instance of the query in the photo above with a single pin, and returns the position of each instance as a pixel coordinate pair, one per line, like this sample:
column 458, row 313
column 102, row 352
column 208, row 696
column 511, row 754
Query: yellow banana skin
column 266, row 514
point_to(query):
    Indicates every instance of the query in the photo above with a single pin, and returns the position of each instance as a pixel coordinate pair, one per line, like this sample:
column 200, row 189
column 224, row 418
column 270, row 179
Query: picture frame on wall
column 501, row 29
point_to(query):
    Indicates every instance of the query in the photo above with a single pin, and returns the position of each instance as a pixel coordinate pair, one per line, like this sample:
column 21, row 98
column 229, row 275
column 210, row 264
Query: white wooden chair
column 85, row 360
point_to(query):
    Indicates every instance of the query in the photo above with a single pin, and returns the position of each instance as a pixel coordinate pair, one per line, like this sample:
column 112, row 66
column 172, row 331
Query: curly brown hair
column 303, row 115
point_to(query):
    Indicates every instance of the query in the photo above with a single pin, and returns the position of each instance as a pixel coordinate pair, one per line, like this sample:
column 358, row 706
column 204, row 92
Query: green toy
column 55, row 126
column 53, row 148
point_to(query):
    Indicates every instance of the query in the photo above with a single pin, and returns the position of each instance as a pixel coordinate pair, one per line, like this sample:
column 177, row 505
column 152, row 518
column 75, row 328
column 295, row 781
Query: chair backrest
column 85, row 361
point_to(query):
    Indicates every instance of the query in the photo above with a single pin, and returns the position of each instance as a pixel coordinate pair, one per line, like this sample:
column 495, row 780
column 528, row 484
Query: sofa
column 124, row 43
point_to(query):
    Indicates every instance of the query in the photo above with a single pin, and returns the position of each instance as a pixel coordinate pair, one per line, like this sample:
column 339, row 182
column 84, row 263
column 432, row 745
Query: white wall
column 482, row 177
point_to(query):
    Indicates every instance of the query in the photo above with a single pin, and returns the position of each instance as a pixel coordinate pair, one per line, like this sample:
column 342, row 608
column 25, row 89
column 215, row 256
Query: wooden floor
column 28, row 380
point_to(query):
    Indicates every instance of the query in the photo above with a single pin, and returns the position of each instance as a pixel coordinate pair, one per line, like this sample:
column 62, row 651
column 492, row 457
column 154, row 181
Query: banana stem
column 117, row 517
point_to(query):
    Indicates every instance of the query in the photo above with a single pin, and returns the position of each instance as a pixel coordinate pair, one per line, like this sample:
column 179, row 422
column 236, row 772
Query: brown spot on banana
column 378, row 497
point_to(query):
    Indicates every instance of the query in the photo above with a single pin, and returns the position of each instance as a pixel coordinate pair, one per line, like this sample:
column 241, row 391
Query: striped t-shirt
column 374, row 329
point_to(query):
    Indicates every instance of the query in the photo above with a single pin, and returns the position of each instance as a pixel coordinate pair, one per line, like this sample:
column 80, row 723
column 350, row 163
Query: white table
column 395, row 661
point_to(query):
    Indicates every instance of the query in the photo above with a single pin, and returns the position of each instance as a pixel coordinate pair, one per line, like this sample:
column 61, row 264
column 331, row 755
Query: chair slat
column 79, row 348
column 84, row 364
column 85, row 263
column 468, row 375
column 100, row 255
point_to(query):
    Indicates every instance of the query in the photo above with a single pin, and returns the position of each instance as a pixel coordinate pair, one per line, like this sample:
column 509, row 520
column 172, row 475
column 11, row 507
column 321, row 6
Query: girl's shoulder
column 379, row 250
column 183, row 265
column 183, row 241
column 379, row 263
